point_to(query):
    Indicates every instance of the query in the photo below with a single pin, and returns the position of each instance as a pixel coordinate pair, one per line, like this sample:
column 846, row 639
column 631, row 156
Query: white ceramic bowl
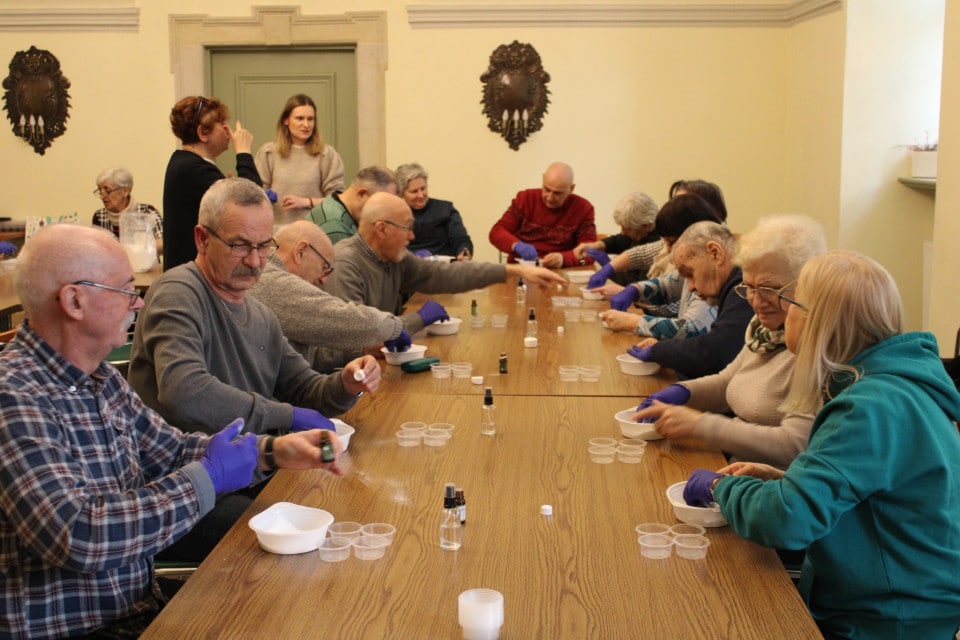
column 288, row 528
column 635, row 367
column 590, row 295
column 344, row 431
column 703, row 516
column 444, row 327
column 637, row 430
column 399, row 357
column 580, row 276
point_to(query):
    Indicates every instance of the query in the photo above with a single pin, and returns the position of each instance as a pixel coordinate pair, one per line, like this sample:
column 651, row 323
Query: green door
column 256, row 82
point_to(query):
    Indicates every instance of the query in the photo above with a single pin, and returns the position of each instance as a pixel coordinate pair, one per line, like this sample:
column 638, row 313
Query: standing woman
column 875, row 498
column 201, row 125
column 298, row 165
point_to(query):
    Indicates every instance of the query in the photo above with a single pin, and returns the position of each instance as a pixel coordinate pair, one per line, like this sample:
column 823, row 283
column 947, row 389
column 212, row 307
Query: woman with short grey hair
column 114, row 187
column 636, row 215
column 437, row 226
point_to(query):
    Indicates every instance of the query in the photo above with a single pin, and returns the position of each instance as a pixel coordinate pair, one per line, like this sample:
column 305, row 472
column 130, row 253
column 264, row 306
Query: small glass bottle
column 532, row 323
column 503, row 362
column 461, row 506
column 488, row 414
column 521, row 291
column 473, row 307
column 451, row 532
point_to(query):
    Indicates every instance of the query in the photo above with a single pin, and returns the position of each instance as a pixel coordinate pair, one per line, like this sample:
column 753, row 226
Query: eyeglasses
column 105, row 191
column 398, row 225
column 328, row 269
column 799, row 305
column 242, row 249
column 134, row 295
column 768, row 294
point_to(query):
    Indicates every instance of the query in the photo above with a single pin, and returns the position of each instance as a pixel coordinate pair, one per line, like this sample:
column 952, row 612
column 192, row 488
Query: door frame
column 192, row 35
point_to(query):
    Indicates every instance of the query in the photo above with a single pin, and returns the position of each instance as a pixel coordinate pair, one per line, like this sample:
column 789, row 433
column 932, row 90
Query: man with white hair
column 93, row 483
column 375, row 268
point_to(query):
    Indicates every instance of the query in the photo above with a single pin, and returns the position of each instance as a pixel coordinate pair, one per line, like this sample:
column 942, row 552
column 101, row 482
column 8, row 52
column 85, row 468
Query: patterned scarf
column 759, row 339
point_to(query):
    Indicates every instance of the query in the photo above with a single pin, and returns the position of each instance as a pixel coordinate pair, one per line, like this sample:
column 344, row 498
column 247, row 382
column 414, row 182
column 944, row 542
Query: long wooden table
column 575, row 574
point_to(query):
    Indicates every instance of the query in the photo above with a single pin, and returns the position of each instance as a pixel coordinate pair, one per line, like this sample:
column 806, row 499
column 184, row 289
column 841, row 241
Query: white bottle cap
column 359, row 375
column 560, row 329
column 476, row 379
column 546, row 509
column 529, row 341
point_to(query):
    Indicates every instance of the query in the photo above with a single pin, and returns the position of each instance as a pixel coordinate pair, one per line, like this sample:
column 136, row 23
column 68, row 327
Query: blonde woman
column 875, row 498
column 297, row 165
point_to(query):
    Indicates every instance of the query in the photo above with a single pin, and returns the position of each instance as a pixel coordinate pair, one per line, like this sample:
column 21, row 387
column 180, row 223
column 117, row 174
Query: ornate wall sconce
column 515, row 92
column 36, row 98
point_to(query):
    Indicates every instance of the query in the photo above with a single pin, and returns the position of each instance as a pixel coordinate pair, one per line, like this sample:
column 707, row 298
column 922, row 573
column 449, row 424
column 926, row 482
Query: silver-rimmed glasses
column 133, row 294
column 398, row 225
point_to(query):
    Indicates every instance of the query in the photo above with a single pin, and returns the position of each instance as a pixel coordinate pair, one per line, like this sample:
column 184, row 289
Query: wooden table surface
column 531, row 371
column 575, row 574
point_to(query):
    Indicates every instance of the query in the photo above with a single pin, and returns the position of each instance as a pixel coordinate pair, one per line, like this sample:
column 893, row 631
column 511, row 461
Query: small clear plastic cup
column 656, row 546
column 629, row 454
column 603, row 455
column 381, row 529
column 443, row 426
column 569, row 373
column 436, row 437
column 692, row 547
column 498, row 320
column 684, row 529
column 349, row 530
column 370, row 547
column 632, row 442
column 588, row 315
column 571, row 315
column 652, row 528
column 477, row 322
column 462, row 369
column 590, row 373
column 335, row 549
column 409, row 438
column 603, row 442
column 441, row 369
column 413, row 426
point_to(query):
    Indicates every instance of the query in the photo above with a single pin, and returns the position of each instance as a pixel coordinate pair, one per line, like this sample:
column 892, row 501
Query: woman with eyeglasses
column 738, row 410
column 875, row 498
column 114, row 187
column 201, row 125
column 298, row 165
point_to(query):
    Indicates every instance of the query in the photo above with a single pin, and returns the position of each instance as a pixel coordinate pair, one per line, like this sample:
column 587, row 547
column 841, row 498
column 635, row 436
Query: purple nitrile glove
column 600, row 277
column 640, row 353
column 401, row 343
column 599, row 256
column 525, row 251
column 308, row 419
column 272, row 195
column 230, row 462
column 674, row 394
column 699, row 489
column 432, row 312
column 7, row 248
column 625, row 299
column 422, row 253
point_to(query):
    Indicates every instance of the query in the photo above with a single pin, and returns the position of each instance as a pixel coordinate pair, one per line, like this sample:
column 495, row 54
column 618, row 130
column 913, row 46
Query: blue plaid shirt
column 92, row 485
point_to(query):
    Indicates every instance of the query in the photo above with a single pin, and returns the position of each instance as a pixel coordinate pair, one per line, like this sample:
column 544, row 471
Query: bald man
column 547, row 223
column 327, row 331
column 375, row 268
column 92, row 482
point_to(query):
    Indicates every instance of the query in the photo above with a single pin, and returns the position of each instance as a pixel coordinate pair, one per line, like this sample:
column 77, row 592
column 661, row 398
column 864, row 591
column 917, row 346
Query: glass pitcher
column 137, row 239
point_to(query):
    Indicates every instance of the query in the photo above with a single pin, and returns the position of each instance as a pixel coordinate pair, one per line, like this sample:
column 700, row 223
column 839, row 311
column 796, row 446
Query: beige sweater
column 299, row 174
column 752, row 387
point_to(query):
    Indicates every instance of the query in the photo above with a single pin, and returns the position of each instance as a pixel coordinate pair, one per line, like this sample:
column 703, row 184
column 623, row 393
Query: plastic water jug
column 137, row 239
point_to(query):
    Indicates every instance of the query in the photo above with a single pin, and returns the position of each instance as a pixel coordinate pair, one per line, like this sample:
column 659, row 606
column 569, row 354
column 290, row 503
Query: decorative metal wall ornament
column 36, row 98
column 515, row 92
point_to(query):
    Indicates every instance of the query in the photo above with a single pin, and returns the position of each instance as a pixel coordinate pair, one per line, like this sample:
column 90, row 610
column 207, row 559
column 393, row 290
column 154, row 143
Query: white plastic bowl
column 445, row 327
column 703, row 516
column 288, row 528
column 399, row 357
column 590, row 295
column 580, row 276
column 636, row 430
column 635, row 367
column 344, row 431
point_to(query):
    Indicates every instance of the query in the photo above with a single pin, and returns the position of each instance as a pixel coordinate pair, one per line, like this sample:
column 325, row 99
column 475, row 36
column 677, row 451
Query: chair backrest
column 35, row 223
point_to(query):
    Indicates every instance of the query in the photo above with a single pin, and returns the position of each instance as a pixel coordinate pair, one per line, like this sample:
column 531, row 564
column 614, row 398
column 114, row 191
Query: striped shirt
column 111, row 221
column 92, row 485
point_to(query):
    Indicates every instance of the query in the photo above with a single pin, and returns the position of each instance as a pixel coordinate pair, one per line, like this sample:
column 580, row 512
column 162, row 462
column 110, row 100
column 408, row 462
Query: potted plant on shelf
column 924, row 159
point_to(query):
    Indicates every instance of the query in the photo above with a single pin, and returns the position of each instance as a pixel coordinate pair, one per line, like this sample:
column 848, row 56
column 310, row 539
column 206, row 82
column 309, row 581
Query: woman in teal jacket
column 875, row 499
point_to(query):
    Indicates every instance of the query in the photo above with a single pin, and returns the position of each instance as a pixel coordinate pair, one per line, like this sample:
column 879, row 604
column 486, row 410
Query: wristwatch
column 268, row 458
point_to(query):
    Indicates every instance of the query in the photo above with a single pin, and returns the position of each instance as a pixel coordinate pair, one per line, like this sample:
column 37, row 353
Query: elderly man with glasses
column 375, row 268
column 326, row 330
column 204, row 353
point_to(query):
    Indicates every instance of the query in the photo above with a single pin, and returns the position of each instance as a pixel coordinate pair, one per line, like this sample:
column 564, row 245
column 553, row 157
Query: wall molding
column 783, row 13
column 117, row 19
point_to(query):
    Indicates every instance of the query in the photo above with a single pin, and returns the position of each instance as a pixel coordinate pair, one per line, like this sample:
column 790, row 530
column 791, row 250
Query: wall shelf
column 919, row 183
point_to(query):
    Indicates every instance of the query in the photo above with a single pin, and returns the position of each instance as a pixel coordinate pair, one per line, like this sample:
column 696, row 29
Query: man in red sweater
column 546, row 223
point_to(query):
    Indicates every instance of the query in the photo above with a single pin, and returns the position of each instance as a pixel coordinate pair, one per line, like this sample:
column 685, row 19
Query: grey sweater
column 365, row 278
column 201, row 363
column 327, row 331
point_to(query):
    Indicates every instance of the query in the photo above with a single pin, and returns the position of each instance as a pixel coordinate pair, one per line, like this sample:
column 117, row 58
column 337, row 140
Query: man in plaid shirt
column 92, row 482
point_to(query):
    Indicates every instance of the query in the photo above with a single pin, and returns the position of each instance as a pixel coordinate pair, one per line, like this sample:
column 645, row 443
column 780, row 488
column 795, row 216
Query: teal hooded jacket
column 875, row 499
